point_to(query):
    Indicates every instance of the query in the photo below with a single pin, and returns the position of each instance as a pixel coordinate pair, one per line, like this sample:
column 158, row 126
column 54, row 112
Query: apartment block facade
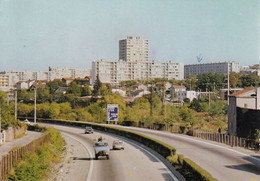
column 218, row 67
column 114, row 72
column 8, row 79
column 133, row 49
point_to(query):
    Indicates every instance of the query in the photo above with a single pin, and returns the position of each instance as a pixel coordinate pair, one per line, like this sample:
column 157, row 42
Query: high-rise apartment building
column 218, row 67
column 114, row 72
column 133, row 49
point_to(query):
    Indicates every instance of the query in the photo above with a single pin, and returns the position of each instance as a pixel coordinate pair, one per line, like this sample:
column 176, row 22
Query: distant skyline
column 72, row 34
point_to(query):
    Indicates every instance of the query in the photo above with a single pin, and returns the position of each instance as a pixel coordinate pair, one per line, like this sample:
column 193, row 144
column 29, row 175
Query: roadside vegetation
column 35, row 166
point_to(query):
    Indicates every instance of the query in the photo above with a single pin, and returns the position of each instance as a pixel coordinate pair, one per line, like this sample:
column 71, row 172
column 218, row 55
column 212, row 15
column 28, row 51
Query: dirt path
column 74, row 165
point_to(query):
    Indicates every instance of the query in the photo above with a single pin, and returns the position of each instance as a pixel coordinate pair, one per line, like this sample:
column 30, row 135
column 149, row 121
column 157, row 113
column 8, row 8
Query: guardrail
column 228, row 139
column 7, row 162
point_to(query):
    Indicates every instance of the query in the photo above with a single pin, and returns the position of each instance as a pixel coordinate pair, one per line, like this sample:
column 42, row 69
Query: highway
column 132, row 163
column 223, row 162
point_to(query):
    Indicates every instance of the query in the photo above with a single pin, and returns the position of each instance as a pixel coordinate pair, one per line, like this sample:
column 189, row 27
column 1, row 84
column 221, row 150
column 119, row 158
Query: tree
column 250, row 80
column 97, row 86
column 85, row 90
column 208, row 81
column 74, row 89
column 234, row 79
column 43, row 95
column 54, row 85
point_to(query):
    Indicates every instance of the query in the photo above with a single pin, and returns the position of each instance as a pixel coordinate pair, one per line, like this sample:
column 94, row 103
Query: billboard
column 112, row 112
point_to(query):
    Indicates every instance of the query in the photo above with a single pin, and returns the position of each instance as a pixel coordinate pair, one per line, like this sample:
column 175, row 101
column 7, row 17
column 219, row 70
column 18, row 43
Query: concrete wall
column 12, row 133
column 246, row 102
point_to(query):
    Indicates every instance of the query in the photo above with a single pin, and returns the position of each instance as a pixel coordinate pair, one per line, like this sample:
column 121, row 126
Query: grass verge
column 34, row 166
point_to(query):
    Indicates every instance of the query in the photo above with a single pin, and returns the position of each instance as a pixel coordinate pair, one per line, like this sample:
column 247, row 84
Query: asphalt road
column 224, row 162
column 132, row 163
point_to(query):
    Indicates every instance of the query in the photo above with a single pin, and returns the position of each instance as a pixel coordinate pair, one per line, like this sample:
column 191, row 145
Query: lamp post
column 15, row 104
column 35, row 105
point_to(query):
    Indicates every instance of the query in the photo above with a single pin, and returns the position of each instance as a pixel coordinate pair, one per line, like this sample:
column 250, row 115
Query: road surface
column 223, row 162
column 132, row 163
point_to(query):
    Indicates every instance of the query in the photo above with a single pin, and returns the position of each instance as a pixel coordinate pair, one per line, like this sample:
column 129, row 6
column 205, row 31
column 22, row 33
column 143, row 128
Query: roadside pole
column 15, row 104
column 35, row 105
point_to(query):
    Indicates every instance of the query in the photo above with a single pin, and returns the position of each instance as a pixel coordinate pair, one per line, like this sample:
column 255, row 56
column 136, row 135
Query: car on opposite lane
column 89, row 130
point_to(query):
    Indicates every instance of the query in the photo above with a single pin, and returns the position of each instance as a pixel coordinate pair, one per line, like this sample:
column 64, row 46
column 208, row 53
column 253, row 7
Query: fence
column 221, row 138
column 228, row 139
column 16, row 155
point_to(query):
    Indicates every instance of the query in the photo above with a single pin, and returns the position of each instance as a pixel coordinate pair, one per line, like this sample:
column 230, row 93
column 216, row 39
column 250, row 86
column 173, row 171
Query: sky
column 36, row 34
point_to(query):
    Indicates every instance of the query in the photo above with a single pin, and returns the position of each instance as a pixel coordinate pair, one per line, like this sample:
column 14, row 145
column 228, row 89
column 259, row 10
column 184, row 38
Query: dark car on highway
column 88, row 130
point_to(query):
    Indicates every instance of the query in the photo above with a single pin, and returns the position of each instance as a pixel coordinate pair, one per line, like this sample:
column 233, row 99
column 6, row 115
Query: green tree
column 54, row 110
column 43, row 95
column 54, row 85
column 85, row 90
column 97, row 86
column 74, row 89
column 250, row 80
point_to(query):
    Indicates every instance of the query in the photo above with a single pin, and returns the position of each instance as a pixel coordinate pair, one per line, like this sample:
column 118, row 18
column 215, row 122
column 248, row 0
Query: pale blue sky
column 35, row 34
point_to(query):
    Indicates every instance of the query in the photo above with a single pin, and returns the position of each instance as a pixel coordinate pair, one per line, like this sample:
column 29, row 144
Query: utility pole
column 163, row 108
column 0, row 120
column 151, row 101
column 228, row 83
column 35, row 105
column 15, row 104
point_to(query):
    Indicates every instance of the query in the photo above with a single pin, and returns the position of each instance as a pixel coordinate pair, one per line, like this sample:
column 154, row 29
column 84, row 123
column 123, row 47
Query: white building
column 8, row 79
column 186, row 94
column 133, row 49
column 218, row 67
column 114, row 72
column 247, row 70
column 59, row 73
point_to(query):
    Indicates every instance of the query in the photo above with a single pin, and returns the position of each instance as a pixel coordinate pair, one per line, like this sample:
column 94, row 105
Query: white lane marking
column 165, row 134
column 157, row 159
column 90, row 155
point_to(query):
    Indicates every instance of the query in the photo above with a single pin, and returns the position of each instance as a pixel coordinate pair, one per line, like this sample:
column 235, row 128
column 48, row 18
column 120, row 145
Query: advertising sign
column 112, row 112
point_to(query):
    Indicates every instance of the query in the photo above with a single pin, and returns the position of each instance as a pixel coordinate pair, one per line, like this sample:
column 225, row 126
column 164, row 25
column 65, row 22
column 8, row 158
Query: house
column 121, row 91
column 67, row 80
column 181, row 95
column 139, row 87
column 37, row 86
column 61, row 89
column 139, row 93
column 81, row 81
column 174, row 89
column 160, row 85
column 244, row 112
column 24, row 84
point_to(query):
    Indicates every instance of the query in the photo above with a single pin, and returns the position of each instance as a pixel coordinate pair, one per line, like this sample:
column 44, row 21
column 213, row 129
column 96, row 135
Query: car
column 88, row 130
column 118, row 145
column 101, row 148
column 27, row 122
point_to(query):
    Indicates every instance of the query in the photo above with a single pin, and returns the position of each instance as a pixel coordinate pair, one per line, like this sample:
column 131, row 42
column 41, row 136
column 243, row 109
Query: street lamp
column 34, row 105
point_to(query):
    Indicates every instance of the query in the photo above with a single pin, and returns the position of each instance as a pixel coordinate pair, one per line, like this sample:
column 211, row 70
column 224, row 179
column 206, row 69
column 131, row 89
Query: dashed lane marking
column 231, row 166
column 130, row 174
column 126, row 164
column 253, row 179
